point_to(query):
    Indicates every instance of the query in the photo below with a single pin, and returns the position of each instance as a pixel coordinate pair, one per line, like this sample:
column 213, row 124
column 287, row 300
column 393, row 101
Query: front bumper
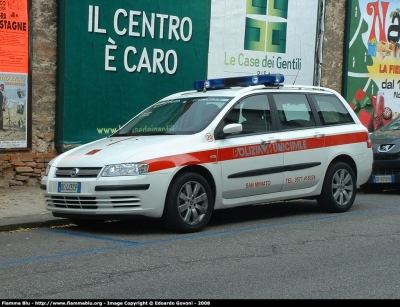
column 385, row 168
column 108, row 197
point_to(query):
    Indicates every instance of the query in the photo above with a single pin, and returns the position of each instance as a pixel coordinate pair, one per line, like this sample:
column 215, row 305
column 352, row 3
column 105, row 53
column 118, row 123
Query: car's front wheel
column 339, row 188
column 189, row 204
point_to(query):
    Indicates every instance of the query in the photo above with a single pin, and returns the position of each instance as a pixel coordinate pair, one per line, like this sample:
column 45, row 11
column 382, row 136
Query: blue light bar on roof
column 270, row 79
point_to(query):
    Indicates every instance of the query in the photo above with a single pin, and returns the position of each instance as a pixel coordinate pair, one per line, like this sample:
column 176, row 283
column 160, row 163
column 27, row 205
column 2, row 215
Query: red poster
column 14, row 36
column 15, row 113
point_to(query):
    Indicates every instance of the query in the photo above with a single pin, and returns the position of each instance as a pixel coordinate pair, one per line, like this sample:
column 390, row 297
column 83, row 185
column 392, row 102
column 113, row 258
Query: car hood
column 385, row 143
column 383, row 137
column 113, row 150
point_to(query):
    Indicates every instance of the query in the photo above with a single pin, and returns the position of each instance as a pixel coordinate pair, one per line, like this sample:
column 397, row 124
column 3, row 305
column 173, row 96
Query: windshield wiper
column 159, row 133
column 124, row 134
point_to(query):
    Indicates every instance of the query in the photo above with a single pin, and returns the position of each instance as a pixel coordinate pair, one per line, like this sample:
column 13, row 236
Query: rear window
column 331, row 110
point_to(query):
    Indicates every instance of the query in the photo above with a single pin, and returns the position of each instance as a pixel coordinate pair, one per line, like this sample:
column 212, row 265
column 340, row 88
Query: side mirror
column 231, row 129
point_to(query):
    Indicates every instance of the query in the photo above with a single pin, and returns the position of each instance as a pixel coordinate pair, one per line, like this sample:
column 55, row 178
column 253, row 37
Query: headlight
column 48, row 167
column 125, row 169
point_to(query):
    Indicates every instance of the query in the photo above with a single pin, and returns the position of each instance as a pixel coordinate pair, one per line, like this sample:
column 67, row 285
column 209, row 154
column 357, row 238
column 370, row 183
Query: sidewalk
column 25, row 208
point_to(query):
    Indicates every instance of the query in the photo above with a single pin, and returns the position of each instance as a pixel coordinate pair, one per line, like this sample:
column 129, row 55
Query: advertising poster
column 115, row 58
column 250, row 37
column 372, row 66
column 14, row 66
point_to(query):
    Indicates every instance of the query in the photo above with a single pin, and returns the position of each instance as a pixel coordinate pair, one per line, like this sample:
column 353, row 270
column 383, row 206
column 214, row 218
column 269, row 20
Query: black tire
column 189, row 204
column 339, row 189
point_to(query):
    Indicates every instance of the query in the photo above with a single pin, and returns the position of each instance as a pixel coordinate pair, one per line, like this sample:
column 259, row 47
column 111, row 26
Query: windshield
column 176, row 116
column 393, row 125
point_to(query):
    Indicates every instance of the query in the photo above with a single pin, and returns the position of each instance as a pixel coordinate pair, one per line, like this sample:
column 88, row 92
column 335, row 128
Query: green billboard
column 117, row 57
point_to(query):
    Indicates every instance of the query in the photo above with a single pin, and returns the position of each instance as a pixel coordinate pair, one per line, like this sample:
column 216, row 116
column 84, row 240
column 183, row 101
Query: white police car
column 230, row 142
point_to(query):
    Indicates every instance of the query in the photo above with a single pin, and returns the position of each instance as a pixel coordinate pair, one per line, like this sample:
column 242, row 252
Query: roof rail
column 311, row 87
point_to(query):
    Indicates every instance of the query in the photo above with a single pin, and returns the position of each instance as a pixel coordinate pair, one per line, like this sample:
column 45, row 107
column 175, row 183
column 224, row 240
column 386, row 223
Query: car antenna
column 296, row 76
column 205, row 79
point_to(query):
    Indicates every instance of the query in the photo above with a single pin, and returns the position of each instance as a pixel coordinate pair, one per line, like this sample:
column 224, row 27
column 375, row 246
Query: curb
column 31, row 221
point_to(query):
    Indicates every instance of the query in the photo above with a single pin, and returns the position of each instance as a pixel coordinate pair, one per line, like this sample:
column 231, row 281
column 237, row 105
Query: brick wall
column 19, row 168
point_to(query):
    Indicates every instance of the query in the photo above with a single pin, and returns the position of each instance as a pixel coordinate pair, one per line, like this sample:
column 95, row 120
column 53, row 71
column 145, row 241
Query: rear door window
column 293, row 111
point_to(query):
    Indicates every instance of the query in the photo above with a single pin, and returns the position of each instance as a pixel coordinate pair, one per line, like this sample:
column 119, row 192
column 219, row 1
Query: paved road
column 283, row 250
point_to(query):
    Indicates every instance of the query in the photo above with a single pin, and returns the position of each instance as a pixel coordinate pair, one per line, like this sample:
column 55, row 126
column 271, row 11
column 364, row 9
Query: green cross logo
column 264, row 35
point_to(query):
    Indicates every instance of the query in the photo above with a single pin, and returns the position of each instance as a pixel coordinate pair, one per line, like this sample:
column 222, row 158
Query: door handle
column 270, row 140
column 319, row 135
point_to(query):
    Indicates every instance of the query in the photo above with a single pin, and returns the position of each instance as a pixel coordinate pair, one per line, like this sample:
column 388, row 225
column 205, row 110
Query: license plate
column 69, row 187
column 383, row 179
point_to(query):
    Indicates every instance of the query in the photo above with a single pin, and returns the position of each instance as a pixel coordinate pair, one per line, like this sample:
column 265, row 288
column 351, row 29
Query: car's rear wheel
column 339, row 188
column 189, row 204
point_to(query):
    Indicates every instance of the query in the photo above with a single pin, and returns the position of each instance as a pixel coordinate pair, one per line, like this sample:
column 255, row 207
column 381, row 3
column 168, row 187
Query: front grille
column 386, row 170
column 84, row 172
column 386, row 157
column 73, row 202
column 92, row 202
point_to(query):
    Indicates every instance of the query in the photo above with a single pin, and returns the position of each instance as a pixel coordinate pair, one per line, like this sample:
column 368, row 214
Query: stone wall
column 19, row 168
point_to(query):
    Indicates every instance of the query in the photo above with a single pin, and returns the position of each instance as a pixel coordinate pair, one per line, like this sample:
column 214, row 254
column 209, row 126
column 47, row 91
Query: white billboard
column 250, row 37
